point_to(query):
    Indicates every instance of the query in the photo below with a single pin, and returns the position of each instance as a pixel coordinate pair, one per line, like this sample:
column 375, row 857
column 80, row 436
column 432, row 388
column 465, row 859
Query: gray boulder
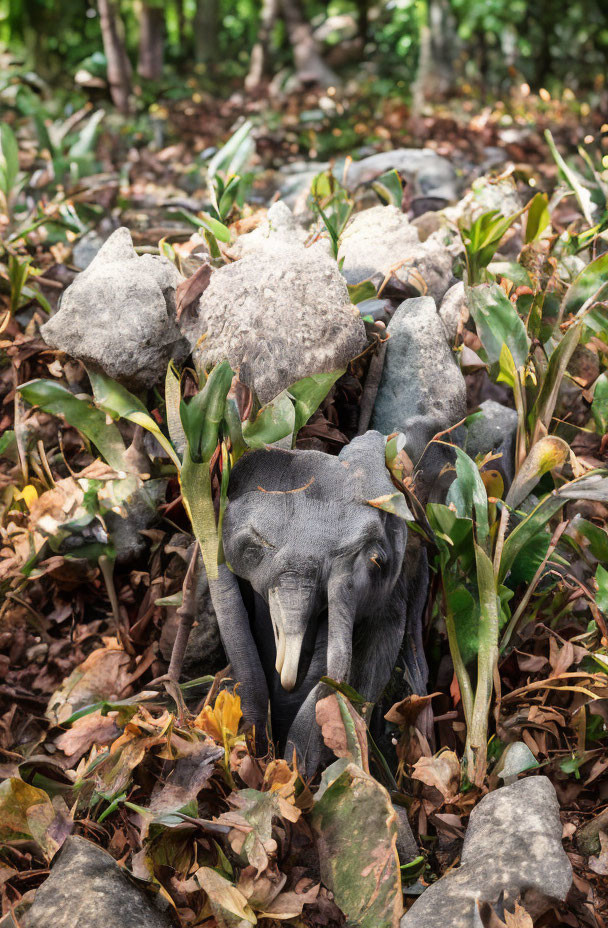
column 494, row 430
column 422, row 390
column 513, row 846
column 453, row 308
column 279, row 226
column 381, row 241
column 429, row 175
column 278, row 316
column 87, row 887
column 119, row 315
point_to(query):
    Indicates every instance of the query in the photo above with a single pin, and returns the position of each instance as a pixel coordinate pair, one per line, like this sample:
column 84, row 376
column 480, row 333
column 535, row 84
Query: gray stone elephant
column 319, row 585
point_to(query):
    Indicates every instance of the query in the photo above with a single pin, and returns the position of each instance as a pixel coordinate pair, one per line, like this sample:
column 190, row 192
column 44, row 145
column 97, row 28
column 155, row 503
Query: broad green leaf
column 529, row 559
column 201, row 417
column 599, row 406
column 172, row 403
column 80, row 413
column 596, row 536
column 116, row 400
column 548, row 453
column 309, row 393
column 601, row 597
column 355, row 824
column 6, row 440
column 389, row 188
column 85, row 141
column 365, row 290
column 590, row 486
column 538, row 217
column 497, row 323
column 273, row 422
column 571, row 177
column 204, row 221
column 468, row 494
column 588, row 282
column 195, row 481
column 232, row 157
column 544, row 406
column 465, row 611
column 9, row 159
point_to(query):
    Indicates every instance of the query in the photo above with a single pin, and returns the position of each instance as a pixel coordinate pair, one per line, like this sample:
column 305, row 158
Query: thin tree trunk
column 119, row 68
column 260, row 64
column 310, row 67
column 363, row 20
column 151, row 42
column 206, row 24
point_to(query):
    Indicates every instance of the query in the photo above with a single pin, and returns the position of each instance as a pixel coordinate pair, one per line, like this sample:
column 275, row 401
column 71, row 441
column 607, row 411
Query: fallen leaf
column 28, row 812
column 441, row 771
column 86, row 731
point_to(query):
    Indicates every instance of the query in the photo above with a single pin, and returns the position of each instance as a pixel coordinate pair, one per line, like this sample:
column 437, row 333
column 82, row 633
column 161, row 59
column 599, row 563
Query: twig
column 370, row 390
column 186, row 615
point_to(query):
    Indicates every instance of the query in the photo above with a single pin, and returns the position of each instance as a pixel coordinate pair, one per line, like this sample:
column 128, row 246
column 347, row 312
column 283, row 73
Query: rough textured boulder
column 279, row 226
column 381, row 241
column 278, row 316
column 422, row 390
column 513, row 846
column 453, row 308
column 119, row 315
column 494, row 430
column 430, row 175
column 87, row 887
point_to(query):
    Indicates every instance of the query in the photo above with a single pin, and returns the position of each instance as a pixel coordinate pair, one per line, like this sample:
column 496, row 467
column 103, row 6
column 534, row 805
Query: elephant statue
column 319, row 584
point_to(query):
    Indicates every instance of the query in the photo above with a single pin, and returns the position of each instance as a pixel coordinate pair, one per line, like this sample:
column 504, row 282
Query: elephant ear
column 274, row 470
column 365, row 463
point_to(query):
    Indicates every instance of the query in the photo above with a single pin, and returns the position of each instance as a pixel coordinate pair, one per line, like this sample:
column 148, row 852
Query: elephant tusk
column 289, row 636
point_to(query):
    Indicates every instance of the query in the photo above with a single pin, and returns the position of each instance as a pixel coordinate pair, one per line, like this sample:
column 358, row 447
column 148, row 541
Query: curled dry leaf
column 343, row 729
column 227, row 903
column 406, row 712
column 28, row 812
column 86, row 731
column 105, row 674
column 441, row 771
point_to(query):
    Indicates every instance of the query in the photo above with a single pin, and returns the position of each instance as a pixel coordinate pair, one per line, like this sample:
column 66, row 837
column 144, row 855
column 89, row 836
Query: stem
column 464, row 681
column 487, row 658
column 186, row 615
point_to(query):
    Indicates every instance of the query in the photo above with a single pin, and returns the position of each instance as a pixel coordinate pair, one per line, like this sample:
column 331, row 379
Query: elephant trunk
column 341, row 614
column 291, row 606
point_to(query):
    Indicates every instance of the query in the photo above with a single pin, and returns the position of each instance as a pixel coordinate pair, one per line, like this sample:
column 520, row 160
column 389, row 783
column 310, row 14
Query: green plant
column 479, row 566
column 332, row 202
column 206, row 433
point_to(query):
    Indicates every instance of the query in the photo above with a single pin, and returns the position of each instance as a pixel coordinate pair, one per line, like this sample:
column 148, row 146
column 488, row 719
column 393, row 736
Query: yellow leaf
column 222, row 721
column 29, row 495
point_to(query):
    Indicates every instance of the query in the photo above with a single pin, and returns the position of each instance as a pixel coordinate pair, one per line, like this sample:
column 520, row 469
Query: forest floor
column 58, row 622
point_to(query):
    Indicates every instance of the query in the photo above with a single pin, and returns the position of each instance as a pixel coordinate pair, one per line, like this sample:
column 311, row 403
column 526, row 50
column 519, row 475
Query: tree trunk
column 435, row 74
column 260, row 64
column 206, row 23
column 310, row 67
column 151, row 42
column 119, row 67
column 363, row 20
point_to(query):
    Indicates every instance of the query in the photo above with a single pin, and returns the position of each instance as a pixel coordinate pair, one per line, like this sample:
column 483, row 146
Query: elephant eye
column 251, row 555
column 378, row 558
